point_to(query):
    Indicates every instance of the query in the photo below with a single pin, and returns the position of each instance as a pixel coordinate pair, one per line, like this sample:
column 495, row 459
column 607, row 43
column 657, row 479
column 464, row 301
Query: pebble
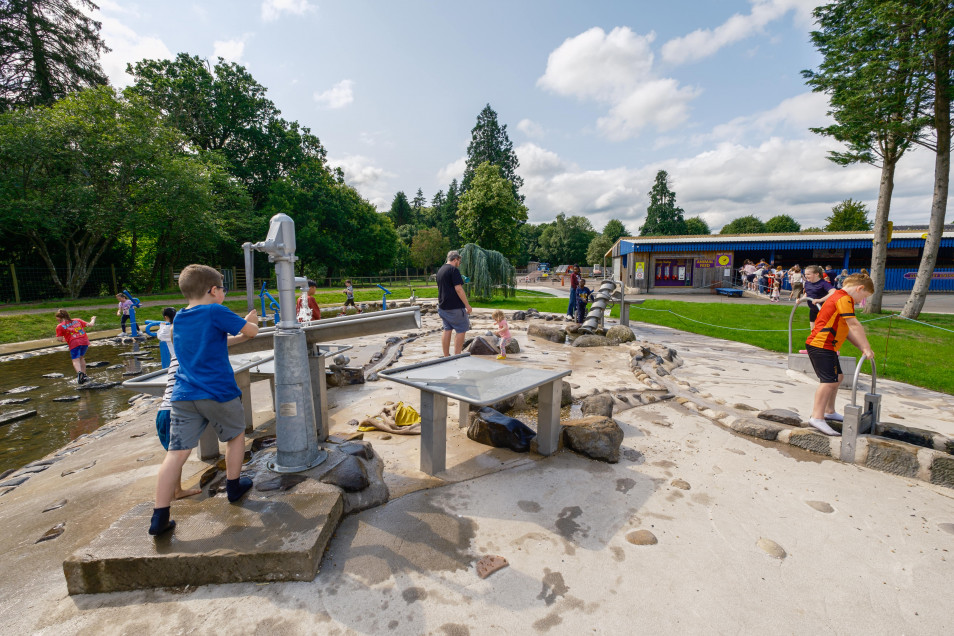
column 681, row 484
column 53, row 532
column 642, row 537
column 771, row 548
column 489, row 564
column 821, row 506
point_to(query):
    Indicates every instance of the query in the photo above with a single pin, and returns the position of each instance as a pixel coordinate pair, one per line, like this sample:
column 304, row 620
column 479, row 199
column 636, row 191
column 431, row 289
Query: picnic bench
column 479, row 382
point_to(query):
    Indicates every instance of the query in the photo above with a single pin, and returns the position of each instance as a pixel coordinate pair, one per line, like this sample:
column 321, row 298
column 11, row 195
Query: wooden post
column 115, row 286
column 16, row 287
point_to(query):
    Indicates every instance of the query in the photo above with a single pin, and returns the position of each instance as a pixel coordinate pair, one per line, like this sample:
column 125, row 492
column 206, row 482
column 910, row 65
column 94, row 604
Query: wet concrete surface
column 574, row 531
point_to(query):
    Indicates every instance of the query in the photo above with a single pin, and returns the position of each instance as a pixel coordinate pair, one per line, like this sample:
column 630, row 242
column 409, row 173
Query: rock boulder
column 596, row 437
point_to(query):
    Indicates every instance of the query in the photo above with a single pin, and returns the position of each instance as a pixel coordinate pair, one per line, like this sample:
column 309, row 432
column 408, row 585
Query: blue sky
column 597, row 97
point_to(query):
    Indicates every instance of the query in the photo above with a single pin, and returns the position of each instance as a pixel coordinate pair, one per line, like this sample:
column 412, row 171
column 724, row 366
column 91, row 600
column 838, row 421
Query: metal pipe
column 791, row 317
column 249, row 277
column 854, row 382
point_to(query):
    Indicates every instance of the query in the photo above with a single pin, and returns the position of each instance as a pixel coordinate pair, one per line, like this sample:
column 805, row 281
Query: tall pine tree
column 489, row 142
column 48, row 48
column 664, row 217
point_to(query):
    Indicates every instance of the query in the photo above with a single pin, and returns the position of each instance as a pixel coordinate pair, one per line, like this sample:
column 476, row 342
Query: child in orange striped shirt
column 836, row 322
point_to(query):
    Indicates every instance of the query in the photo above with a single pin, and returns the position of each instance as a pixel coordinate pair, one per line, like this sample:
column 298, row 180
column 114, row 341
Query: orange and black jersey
column 831, row 328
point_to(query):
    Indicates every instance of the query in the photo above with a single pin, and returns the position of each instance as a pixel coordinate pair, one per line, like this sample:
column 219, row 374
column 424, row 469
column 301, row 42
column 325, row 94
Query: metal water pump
column 295, row 429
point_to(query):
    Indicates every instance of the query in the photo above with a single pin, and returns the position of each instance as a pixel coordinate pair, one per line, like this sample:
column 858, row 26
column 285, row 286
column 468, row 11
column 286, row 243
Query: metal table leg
column 464, row 415
column 548, row 419
column 244, row 382
column 208, row 444
column 319, row 390
column 433, row 433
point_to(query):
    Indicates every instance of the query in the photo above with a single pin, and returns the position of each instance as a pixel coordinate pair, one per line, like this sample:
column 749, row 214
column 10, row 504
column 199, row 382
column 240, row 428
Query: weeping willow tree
column 488, row 272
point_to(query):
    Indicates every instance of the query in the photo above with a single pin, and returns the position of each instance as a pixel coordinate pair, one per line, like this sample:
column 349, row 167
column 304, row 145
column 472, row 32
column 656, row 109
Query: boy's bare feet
column 182, row 493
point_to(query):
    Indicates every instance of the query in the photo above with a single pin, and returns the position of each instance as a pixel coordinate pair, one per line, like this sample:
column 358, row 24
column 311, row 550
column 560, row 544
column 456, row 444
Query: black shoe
column 81, row 378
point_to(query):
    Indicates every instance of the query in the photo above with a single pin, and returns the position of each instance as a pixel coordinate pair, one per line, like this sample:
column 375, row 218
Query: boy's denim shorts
column 78, row 352
column 454, row 319
column 189, row 419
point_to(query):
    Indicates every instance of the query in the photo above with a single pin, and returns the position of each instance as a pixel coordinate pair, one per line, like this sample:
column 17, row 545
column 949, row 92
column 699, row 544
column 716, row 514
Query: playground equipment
column 272, row 304
column 800, row 362
column 295, row 422
column 602, row 298
column 165, row 356
column 384, row 298
column 134, row 328
column 860, row 419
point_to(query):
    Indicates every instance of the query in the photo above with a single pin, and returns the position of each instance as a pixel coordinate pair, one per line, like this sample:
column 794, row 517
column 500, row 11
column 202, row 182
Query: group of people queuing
column 579, row 295
column 768, row 279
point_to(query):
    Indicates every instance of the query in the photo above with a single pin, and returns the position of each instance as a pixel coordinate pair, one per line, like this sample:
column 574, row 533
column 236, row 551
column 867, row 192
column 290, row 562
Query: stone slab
column 276, row 539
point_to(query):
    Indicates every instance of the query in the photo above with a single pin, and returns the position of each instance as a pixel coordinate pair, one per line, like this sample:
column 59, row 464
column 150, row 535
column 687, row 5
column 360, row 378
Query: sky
column 597, row 97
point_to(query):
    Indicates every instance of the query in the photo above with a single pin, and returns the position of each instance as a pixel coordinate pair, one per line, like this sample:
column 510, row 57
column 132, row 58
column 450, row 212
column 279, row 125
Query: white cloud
column 368, row 179
column 794, row 116
column 616, row 68
column 338, row 96
column 702, row 43
column 662, row 103
column 128, row 47
column 599, row 65
column 732, row 177
column 530, row 128
column 273, row 9
column 453, row 170
column 229, row 50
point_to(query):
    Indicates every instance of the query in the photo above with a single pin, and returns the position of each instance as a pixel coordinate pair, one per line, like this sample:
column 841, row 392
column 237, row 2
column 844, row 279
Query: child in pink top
column 503, row 331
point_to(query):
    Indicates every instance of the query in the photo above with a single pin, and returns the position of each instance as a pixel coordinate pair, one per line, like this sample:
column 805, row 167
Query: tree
column 597, row 249
column 870, row 70
column 447, row 214
column 614, row 230
column 75, row 176
column 337, row 231
column 400, row 212
column 697, row 225
column 419, row 202
column 489, row 271
column 429, row 248
column 848, row 216
column 938, row 30
column 529, row 244
column 566, row 239
column 489, row 214
column 782, row 224
column 48, row 49
column 663, row 217
column 744, row 225
column 489, row 143
column 223, row 109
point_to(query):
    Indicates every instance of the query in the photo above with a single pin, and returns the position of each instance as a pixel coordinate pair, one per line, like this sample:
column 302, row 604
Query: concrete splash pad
column 261, row 540
column 864, row 551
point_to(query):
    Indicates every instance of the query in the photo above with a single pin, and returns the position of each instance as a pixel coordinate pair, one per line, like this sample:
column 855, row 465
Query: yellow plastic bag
column 405, row 415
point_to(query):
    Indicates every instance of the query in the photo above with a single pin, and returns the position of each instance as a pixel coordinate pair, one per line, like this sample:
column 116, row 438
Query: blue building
column 693, row 263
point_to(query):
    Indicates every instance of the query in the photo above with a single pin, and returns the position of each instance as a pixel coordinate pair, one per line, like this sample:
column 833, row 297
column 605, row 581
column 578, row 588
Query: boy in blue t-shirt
column 205, row 391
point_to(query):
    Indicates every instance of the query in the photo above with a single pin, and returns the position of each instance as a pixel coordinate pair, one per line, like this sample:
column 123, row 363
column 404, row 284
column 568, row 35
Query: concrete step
column 279, row 538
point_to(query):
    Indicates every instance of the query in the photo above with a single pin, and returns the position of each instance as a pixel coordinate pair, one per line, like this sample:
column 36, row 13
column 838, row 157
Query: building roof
column 804, row 241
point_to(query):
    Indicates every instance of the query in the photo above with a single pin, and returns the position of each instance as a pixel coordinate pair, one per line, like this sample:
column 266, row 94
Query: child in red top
column 73, row 333
column 308, row 311
column 503, row 330
column 836, row 323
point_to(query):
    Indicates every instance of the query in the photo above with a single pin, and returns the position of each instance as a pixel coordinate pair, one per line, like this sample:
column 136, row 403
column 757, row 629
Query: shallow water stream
column 57, row 423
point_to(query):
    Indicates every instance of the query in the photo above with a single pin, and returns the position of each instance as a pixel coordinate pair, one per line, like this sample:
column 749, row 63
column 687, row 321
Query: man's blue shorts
column 78, row 352
column 454, row 319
